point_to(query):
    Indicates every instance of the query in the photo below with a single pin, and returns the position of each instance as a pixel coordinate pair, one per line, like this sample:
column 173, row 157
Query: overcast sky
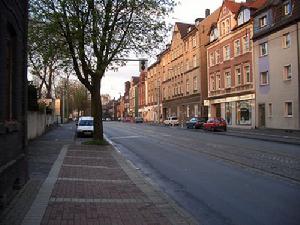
column 186, row 11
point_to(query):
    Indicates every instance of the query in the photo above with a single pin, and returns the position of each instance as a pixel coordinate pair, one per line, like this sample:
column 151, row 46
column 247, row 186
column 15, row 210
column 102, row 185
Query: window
column 237, row 48
column 238, row 76
column 218, row 81
column 247, row 74
column 286, row 40
column 217, row 55
column 264, row 79
column 223, row 28
column 195, row 84
column 226, row 52
column 270, row 109
column 187, row 86
column 288, row 109
column 263, row 49
column 196, row 110
column 187, row 111
column 244, row 16
column 287, row 8
column 212, row 83
column 214, row 34
column 263, row 21
column 211, row 59
column 287, row 72
column 228, row 79
column 195, row 61
column 227, row 26
column 246, row 44
column 243, row 113
column 194, row 42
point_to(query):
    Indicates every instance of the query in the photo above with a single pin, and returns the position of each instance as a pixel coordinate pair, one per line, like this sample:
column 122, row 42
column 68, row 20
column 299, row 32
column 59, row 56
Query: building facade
column 134, row 97
column 231, row 85
column 276, row 64
column 13, row 95
column 141, row 94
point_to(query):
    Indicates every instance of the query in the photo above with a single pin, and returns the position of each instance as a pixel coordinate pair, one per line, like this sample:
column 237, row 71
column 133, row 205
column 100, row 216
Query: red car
column 214, row 124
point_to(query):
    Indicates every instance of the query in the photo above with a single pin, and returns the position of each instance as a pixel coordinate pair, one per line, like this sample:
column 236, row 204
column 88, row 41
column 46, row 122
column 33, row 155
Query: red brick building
column 141, row 90
column 231, row 88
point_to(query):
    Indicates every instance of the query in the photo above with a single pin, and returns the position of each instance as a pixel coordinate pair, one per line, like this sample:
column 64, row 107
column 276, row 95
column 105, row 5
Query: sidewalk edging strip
column 35, row 214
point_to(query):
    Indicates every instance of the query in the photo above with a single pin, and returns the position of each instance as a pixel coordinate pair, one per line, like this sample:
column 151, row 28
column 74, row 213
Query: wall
column 37, row 124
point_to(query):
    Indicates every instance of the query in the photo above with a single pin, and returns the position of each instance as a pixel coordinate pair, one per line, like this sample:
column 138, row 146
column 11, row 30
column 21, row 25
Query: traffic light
column 143, row 64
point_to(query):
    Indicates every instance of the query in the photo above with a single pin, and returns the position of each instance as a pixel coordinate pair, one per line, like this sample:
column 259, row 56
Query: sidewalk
column 275, row 135
column 93, row 185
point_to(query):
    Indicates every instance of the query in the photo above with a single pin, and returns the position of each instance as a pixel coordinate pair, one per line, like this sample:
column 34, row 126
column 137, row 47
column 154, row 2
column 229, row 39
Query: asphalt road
column 219, row 179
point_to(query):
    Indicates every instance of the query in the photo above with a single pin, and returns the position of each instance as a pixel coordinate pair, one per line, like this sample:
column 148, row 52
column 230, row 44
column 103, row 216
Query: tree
column 100, row 32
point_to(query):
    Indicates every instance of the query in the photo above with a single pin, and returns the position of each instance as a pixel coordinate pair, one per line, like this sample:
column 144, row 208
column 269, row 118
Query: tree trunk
column 96, row 108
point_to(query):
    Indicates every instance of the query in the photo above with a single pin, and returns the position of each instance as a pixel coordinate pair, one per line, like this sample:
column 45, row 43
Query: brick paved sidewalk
column 95, row 185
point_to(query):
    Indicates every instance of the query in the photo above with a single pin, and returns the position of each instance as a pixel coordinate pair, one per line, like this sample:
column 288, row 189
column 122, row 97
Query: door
column 218, row 110
column 261, row 115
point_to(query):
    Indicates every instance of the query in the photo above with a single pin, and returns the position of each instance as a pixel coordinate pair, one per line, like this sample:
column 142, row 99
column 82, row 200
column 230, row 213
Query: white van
column 171, row 121
column 85, row 126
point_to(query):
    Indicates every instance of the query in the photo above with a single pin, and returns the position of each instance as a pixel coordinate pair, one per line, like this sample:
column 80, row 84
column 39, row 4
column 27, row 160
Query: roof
column 235, row 7
column 184, row 28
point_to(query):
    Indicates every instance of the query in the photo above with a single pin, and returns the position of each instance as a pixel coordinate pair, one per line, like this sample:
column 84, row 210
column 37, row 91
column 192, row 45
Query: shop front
column 238, row 111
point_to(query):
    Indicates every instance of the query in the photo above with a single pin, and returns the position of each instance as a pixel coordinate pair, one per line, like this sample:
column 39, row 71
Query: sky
column 186, row 11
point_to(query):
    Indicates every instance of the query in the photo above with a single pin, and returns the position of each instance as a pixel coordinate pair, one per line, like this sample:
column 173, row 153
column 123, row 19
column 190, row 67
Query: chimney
column 207, row 12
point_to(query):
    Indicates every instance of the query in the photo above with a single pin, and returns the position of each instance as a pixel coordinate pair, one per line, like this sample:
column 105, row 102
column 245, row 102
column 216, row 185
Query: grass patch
column 95, row 142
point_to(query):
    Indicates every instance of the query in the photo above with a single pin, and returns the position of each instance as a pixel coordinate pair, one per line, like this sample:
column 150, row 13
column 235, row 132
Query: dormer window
column 262, row 21
column 244, row 16
column 214, row 34
column 287, row 8
column 189, row 29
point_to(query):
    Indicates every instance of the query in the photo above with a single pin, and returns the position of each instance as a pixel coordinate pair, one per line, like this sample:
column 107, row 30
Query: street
column 219, row 179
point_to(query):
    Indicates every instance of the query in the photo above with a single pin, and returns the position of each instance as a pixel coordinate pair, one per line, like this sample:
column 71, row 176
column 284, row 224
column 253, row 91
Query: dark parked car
column 196, row 122
column 138, row 120
column 214, row 124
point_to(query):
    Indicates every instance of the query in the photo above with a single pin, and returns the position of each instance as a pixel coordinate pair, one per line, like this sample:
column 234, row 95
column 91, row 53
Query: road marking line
column 125, row 137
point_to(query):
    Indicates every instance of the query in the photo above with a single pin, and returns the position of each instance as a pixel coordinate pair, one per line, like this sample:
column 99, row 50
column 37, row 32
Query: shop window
column 196, row 110
column 243, row 113
column 228, row 113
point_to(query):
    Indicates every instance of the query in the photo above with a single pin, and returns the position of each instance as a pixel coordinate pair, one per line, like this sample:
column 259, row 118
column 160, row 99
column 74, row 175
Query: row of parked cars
column 85, row 124
column 212, row 124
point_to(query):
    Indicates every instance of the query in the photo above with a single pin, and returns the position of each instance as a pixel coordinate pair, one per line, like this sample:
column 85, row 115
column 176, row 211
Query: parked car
column 138, row 120
column 214, row 124
column 171, row 121
column 85, row 126
column 196, row 122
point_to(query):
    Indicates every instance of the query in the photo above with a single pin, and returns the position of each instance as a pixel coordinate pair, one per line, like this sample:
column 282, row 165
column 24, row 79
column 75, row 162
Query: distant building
column 133, row 97
column 13, row 98
column 231, row 85
column 141, row 94
column 276, row 64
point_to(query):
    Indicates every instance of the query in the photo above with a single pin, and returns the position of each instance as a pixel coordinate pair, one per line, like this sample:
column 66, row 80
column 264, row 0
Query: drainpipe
column 298, row 52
